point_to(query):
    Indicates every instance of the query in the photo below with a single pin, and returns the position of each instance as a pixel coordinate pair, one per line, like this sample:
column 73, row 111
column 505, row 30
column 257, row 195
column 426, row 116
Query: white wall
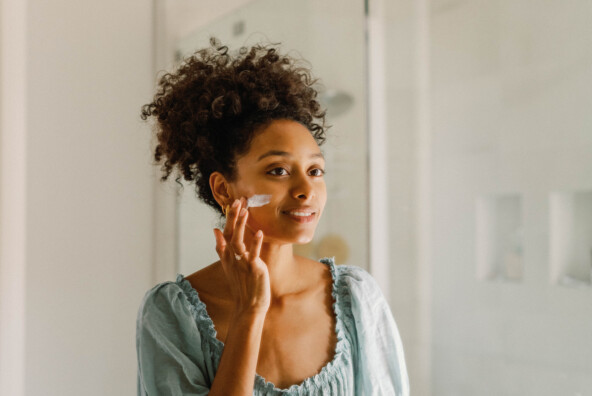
column 12, row 196
column 511, row 93
column 505, row 104
column 88, row 193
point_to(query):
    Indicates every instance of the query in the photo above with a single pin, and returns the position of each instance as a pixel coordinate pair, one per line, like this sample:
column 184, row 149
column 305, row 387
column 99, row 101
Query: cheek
column 322, row 198
column 246, row 186
column 261, row 218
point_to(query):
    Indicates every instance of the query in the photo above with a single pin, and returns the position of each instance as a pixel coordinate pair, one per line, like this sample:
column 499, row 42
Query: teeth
column 300, row 214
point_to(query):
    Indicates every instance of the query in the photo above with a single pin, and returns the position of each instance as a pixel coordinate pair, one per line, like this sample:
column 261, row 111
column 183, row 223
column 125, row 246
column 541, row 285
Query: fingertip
column 219, row 236
column 257, row 243
column 259, row 238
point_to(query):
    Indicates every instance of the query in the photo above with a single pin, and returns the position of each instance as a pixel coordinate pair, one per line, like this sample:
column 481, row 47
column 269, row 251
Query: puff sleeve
column 379, row 364
column 168, row 345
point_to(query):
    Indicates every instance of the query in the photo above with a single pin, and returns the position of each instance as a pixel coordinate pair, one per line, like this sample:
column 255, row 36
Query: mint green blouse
column 178, row 352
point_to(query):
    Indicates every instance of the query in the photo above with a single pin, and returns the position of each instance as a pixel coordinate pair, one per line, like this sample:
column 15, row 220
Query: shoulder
column 359, row 290
column 210, row 282
column 162, row 293
column 356, row 278
column 353, row 273
column 349, row 275
column 164, row 299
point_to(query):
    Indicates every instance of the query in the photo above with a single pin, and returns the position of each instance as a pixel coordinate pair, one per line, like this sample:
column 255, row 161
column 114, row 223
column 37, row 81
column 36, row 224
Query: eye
column 278, row 172
column 317, row 172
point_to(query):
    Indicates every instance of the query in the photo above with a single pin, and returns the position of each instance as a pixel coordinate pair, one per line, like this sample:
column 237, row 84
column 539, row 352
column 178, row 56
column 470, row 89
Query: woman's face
column 285, row 162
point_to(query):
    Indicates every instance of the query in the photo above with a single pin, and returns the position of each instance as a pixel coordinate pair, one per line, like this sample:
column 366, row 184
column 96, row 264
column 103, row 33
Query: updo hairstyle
column 207, row 112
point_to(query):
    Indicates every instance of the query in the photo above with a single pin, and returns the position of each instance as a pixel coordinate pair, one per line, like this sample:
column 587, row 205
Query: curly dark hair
column 208, row 111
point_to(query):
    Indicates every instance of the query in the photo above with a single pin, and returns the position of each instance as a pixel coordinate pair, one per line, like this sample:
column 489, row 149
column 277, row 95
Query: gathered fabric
column 178, row 352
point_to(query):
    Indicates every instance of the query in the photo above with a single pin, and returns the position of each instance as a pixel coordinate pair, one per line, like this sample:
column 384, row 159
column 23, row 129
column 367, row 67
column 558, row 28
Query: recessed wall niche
column 499, row 244
column 570, row 238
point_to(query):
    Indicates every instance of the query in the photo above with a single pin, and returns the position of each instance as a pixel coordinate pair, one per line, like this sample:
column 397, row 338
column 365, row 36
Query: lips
column 300, row 214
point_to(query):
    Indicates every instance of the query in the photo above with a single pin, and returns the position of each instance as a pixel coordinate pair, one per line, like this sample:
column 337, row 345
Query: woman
column 261, row 320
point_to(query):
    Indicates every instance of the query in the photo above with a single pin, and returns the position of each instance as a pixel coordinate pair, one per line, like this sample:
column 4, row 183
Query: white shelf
column 571, row 238
column 499, row 238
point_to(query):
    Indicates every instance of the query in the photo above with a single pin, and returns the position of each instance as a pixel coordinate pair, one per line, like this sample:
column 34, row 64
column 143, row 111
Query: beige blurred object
column 333, row 245
column 306, row 250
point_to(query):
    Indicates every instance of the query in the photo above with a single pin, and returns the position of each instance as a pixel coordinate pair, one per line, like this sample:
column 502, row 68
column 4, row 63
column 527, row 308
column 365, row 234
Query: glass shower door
column 331, row 36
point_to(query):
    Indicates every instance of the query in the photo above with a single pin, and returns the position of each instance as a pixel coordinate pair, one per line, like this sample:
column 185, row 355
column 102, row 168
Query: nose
column 302, row 188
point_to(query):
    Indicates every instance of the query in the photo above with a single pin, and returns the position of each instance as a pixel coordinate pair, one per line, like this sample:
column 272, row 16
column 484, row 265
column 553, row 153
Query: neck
column 282, row 267
column 284, row 271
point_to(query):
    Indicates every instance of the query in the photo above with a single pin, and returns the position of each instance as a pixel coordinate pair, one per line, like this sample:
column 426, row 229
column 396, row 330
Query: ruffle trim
column 205, row 325
column 341, row 303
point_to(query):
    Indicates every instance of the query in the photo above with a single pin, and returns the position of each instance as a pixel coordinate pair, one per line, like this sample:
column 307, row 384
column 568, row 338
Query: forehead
column 283, row 135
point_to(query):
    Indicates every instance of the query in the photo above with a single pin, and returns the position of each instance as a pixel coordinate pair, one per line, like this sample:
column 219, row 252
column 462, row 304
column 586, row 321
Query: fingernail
column 235, row 203
column 243, row 211
column 259, row 234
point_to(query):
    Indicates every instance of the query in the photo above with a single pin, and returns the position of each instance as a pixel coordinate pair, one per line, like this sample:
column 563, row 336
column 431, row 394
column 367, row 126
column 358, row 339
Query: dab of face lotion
column 258, row 200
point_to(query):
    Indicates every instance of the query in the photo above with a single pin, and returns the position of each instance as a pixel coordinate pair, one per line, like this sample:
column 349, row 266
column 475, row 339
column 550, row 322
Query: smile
column 301, row 213
column 301, row 216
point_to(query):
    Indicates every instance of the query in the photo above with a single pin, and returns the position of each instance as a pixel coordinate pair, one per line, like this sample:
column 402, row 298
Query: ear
column 221, row 189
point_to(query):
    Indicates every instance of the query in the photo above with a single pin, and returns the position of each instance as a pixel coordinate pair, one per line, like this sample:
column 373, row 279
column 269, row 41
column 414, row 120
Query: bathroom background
column 459, row 176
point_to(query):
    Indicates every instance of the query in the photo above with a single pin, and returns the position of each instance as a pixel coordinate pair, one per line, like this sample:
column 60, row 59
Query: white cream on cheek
column 258, row 200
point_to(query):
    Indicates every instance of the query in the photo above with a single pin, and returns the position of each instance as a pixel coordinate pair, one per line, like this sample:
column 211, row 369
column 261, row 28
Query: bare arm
column 248, row 278
column 236, row 372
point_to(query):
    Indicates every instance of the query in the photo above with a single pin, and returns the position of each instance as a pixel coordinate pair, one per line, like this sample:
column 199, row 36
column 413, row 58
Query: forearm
column 238, row 363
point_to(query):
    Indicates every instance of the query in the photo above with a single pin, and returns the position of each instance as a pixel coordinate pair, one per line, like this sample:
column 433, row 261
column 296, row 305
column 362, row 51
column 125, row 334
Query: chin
column 303, row 240
column 289, row 239
column 276, row 232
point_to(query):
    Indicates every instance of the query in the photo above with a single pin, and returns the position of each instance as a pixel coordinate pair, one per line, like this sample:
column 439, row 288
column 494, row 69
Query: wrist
column 249, row 316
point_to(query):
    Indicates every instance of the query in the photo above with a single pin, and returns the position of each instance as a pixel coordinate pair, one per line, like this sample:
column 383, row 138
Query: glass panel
column 337, row 56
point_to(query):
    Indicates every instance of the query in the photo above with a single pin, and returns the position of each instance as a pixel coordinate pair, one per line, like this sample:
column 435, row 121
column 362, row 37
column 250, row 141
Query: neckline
column 206, row 325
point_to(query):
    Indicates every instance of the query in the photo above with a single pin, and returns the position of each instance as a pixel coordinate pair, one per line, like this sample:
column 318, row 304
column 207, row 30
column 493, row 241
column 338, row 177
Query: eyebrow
column 286, row 154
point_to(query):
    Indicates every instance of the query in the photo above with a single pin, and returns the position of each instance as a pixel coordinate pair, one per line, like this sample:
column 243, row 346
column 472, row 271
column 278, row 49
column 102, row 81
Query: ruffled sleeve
column 168, row 343
column 379, row 361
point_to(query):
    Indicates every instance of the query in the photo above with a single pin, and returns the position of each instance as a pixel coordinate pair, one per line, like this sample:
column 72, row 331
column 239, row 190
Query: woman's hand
column 246, row 273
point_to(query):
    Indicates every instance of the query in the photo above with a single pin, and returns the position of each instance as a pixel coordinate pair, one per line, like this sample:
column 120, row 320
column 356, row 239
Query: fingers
column 256, row 246
column 231, row 219
column 227, row 250
column 239, row 232
column 220, row 242
column 234, row 230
